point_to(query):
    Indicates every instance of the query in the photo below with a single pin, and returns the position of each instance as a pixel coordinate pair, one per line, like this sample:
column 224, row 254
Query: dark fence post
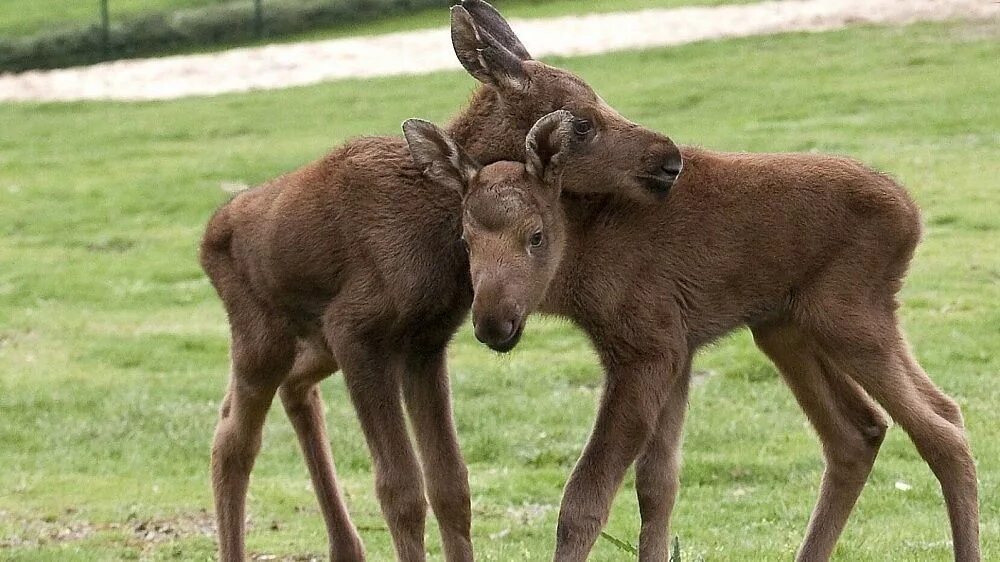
column 258, row 17
column 105, row 29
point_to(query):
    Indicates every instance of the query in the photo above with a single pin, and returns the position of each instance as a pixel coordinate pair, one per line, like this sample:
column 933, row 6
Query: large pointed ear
column 488, row 19
column 548, row 143
column 438, row 156
column 485, row 56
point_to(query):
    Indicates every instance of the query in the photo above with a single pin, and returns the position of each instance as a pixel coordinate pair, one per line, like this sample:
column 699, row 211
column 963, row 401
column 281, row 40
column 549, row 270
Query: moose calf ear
column 548, row 143
column 484, row 56
column 438, row 156
column 489, row 19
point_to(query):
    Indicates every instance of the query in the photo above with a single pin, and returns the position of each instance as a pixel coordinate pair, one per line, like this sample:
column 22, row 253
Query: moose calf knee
column 852, row 459
column 452, row 505
column 232, row 449
column 576, row 522
column 402, row 499
column 297, row 400
column 948, row 409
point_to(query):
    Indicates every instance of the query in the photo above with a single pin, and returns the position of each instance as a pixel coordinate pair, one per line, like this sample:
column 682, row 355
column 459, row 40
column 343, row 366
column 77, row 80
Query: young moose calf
column 354, row 263
column 807, row 250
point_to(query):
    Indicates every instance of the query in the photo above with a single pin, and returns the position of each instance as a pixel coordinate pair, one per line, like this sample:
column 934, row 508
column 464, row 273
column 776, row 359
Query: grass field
column 113, row 345
column 25, row 17
column 510, row 8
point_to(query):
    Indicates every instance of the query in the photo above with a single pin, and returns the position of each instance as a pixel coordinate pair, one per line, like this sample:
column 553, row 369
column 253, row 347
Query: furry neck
column 489, row 128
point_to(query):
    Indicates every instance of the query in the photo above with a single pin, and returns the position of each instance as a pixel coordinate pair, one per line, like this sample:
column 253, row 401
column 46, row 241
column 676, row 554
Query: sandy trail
column 417, row 52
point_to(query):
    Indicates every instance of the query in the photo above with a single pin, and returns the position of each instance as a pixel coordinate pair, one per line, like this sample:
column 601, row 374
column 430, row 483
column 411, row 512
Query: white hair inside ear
column 437, row 155
column 546, row 142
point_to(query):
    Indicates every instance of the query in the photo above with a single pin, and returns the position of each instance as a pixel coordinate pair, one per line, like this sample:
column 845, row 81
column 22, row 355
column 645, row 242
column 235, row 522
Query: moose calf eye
column 536, row 239
column 582, row 126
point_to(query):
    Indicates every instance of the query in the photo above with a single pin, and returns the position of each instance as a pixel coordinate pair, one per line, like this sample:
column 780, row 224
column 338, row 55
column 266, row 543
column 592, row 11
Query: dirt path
column 416, row 52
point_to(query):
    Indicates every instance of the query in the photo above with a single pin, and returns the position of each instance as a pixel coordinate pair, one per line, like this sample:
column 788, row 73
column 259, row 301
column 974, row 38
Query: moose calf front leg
column 428, row 400
column 657, row 473
column 632, row 402
column 373, row 381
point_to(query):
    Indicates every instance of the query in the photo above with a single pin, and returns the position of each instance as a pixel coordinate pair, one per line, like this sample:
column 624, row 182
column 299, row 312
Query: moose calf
column 809, row 251
column 355, row 263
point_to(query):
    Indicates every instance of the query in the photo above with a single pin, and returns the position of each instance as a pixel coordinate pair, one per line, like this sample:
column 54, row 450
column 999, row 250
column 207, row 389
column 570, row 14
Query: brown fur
column 809, row 251
column 355, row 263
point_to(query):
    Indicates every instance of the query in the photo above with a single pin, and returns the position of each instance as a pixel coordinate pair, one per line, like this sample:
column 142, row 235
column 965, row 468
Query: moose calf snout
column 670, row 165
column 495, row 330
column 671, row 168
column 499, row 329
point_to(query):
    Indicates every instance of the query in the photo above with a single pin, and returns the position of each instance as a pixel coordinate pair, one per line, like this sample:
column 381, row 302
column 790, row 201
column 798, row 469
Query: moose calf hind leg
column 938, row 432
column 303, row 403
column 234, row 449
column 929, row 417
column 849, row 424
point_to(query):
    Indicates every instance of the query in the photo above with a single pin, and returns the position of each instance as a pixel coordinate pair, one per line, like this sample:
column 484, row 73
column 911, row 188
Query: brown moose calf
column 354, row 262
column 809, row 251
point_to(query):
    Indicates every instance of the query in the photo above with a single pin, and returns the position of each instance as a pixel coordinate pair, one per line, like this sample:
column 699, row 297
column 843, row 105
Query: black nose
column 663, row 178
column 671, row 168
column 495, row 331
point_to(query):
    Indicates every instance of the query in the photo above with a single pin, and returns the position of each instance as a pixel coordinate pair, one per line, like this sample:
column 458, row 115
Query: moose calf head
column 513, row 223
column 636, row 162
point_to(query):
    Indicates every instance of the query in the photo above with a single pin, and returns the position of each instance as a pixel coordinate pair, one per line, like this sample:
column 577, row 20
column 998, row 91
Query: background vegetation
column 55, row 33
column 113, row 345
column 169, row 31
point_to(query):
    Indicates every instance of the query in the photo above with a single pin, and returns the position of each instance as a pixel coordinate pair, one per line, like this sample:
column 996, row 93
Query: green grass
column 25, row 17
column 39, row 36
column 511, row 9
column 113, row 345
